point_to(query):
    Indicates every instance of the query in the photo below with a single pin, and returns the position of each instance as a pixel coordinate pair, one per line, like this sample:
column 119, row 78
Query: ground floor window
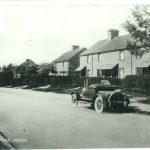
column 99, row 73
column 108, row 72
column 121, row 72
column 63, row 73
column 143, row 70
column 138, row 71
column 88, row 73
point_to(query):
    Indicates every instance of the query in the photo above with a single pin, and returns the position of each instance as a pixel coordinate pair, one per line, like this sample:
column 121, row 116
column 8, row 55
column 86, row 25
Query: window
column 88, row 73
column 143, row 70
column 63, row 64
column 89, row 58
column 121, row 72
column 139, row 71
column 99, row 73
column 121, row 55
column 99, row 57
column 55, row 65
column 62, row 73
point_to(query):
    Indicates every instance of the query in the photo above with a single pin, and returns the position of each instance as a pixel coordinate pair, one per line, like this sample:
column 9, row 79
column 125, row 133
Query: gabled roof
column 118, row 43
column 28, row 63
column 68, row 55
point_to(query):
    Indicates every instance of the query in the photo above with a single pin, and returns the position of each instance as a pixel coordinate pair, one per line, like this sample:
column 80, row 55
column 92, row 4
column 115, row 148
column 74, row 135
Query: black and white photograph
column 74, row 75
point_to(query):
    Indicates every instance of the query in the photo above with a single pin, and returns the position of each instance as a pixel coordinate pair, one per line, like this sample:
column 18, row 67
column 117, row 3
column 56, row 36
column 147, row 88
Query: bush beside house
column 41, row 78
column 137, row 83
column 132, row 82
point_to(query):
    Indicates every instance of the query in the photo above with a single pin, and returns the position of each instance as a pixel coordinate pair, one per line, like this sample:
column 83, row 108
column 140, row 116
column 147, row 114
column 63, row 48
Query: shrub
column 137, row 82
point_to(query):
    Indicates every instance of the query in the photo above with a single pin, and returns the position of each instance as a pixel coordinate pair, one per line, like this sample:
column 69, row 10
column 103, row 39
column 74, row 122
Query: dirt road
column 31, row 119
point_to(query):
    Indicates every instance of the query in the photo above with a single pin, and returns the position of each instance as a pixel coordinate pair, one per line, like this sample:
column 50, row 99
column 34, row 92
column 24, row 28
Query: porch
column 108, row 70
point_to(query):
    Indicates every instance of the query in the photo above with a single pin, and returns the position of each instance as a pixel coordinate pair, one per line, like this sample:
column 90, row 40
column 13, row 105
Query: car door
column 89, row 92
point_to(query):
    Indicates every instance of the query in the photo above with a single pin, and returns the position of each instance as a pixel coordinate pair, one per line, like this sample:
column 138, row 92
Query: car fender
column 111, row 95
column 77, row 94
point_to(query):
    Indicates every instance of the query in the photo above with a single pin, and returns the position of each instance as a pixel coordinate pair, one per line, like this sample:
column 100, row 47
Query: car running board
column 84, row 102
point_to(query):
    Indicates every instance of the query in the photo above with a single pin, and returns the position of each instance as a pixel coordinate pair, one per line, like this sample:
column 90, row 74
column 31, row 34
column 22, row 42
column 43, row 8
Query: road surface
column 31, row 119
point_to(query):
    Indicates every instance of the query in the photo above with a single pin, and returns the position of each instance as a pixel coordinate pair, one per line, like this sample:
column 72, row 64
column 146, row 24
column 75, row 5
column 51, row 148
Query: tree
column 7, row 74
column 8, row 69
column 46, row 68
column 138, row 26
column 27, row 68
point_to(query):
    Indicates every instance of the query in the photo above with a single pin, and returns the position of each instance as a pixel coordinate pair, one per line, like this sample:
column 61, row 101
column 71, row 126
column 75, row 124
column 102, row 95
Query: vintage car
column 100, row 97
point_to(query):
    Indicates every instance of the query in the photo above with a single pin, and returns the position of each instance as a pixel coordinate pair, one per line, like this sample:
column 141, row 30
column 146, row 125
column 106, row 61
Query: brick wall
column 106, row 58
column 113, row 58
column 126, row 63
column 60, row 67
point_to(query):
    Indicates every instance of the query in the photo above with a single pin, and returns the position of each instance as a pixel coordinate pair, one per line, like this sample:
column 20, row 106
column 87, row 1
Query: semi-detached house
column 111, row 58
column 67, row 63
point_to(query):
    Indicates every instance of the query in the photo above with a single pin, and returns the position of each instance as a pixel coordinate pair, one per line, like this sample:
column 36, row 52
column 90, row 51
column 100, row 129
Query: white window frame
column 99, row 72
column 121, row 76
column 139, row 71
column 88, row 73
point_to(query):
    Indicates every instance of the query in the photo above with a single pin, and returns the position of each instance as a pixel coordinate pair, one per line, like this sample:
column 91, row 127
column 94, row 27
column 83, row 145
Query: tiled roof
column 118, row 43
column 68, row 55
column 28, row 63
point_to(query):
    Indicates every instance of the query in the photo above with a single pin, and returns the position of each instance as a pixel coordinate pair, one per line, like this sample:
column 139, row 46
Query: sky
column 44, row 32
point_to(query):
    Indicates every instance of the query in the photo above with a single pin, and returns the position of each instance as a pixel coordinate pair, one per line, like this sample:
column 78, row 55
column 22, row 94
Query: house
column 27, row 67
column 68, row 62
column 111, row 58
column 28, row 63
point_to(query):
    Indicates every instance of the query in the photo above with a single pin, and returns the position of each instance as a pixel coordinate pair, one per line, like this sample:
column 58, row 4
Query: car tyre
column 74, row 100
column 99, row 105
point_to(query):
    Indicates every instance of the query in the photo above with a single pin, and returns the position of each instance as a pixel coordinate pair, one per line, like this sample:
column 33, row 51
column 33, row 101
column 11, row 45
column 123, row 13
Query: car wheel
column 99, row 105
column 74, row 100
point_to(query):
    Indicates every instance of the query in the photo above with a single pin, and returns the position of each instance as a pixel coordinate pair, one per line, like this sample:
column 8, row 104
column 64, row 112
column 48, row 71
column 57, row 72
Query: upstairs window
column 99, row 57
column 121, row 55
column 55, row 65
column 89, row 59
column 63, row 64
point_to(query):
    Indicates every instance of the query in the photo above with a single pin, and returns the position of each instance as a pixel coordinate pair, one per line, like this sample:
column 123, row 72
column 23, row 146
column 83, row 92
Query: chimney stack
column 112, row 33
column 27, row 60
column 74, row 47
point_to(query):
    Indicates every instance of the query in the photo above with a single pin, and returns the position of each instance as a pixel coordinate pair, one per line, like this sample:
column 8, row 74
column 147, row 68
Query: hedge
column 6, row 79
column 137, row 82
column 132, row 81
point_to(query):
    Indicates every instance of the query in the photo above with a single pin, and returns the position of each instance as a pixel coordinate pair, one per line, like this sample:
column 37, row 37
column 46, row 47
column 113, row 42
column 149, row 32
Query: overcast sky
column 42, row 33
